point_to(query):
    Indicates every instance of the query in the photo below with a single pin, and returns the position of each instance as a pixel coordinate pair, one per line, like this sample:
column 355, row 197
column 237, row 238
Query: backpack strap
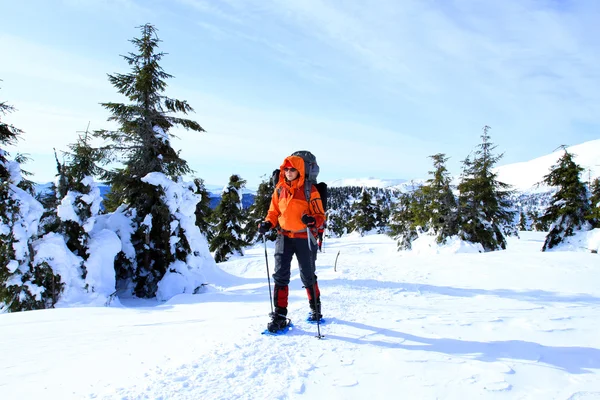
column 307, row 190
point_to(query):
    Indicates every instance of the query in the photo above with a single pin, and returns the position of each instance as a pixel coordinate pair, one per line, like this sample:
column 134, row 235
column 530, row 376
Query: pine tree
column 402, row 227
column 337, row 221
column 382, row 214
column 440, row 205
column 365, row 212
column 21, row 283
column 522, row 221
column 143, row 145
column 203, row 210
column 537, row 222
column 229, row 216
column 569, row 205
column 80, row 195
column 484, row 202
column 594, row 216
column 258, row 211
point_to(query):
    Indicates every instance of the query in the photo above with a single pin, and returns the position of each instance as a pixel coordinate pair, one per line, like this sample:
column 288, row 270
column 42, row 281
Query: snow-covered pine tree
column 402, row 226
column 203, row 210
column 484, row 202
column 258, row 211
column 569, row 205
column 143, row 145
column 382, row 213
column 440, row 208
column 594, row 216
column 337, row 220
column 21, row 284
column 365, row 212
column 229, row 216
column 537, row 222
column 522, row 225
column 339, row 208
column 79, row 194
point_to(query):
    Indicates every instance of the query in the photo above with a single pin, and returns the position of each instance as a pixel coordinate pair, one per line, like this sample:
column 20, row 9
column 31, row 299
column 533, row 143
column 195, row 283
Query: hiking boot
column 278, row 320
column 314, row 301
column 315, row 316
column 315, row 313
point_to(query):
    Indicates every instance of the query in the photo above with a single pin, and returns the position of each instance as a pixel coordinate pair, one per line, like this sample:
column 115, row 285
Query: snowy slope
column 504, row 325
column 524, row 176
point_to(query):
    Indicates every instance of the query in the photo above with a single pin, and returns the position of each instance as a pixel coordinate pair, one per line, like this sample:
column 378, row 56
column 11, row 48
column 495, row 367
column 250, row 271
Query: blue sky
column 372, row 88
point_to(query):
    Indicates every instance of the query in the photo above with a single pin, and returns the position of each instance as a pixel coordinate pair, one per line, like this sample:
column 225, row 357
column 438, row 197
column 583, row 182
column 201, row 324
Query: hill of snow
column 524, row 176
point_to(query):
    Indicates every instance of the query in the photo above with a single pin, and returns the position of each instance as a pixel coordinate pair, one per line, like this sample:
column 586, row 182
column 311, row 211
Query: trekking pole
column 268, row 274
column 313, row 289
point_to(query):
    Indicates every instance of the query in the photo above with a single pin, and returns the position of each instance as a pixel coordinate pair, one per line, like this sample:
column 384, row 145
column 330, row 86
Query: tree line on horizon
column 152, row 228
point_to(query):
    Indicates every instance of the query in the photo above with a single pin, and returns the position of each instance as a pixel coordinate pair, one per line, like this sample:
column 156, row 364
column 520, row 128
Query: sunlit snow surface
column 515, row 324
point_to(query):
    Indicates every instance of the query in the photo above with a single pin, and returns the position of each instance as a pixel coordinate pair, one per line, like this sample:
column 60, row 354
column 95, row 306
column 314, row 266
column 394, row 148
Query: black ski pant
column 285, row 248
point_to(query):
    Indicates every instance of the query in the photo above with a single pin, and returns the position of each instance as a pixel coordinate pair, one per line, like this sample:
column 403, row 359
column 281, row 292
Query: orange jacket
column 288, row 203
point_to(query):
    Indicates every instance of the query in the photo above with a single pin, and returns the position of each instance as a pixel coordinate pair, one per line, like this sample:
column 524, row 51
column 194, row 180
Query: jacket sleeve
column 315, row 207
column 273, row 213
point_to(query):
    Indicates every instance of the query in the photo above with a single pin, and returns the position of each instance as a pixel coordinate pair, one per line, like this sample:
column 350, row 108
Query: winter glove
column 308, row 220
column 264, row 227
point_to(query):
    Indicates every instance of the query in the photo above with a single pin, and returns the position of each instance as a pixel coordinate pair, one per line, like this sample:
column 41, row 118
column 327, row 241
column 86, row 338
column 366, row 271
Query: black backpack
column 311, row 170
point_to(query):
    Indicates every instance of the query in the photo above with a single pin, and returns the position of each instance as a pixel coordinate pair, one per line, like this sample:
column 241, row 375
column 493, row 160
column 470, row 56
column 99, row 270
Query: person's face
column 291, row 173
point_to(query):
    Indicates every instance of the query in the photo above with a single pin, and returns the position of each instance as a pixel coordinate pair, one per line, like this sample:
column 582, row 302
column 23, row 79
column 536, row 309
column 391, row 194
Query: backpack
column 311, row 171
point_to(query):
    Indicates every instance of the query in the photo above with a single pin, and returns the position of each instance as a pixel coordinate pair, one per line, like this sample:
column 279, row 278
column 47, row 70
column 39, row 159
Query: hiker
column 291, row 214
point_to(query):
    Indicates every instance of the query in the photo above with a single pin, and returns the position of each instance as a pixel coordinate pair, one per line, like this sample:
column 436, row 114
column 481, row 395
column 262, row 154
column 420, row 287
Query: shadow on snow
column 574, row 360
column 541, row 296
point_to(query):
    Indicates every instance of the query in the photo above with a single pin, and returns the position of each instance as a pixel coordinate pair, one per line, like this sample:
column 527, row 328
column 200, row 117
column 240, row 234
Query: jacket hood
column 298, row 163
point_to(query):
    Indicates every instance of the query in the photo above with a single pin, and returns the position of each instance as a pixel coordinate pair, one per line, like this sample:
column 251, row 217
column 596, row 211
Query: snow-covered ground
column 515, row 324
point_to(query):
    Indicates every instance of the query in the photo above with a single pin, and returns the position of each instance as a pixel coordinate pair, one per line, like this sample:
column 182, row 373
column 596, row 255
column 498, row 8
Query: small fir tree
column 484, row 202
column 594, row 216
column 539, row 224
column 203, row 210
column 50, row 200
column 440, row 209
column 143, row 145
column 229, row 216
column 569, row 206
column 522, row 225
column 382, row 214
column 365, row 212
column 80, row 195
column 402, row 227
column 258, row 211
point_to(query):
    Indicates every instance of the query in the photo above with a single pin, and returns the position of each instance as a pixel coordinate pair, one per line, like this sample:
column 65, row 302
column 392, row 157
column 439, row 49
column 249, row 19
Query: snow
column 26, row 223
column 160, row 134
column 443, row 324
column 66, row 209
column 365, row 182
column 53, row 250
column 103, row 247
column 426, row 244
